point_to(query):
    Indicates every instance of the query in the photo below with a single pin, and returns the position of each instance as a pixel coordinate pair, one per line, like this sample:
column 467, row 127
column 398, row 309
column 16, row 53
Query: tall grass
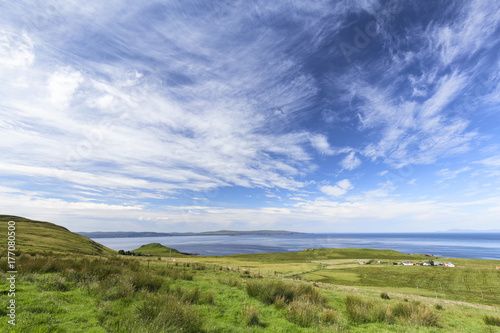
column 167, row 313
column 491, row 320
column 228, row 281
column 363, row 311
column 415, row 313
column 250, row 315
column 302, row 313
column 269, row 291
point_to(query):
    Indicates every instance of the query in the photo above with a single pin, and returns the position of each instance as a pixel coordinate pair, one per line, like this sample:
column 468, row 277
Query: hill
column 158, row 250
column 39, row 236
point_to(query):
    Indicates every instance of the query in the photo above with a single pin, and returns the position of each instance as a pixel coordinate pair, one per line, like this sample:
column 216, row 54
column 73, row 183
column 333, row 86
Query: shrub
column 302, row 313
column 384, row 296
column 491, row 320
column 250, row 315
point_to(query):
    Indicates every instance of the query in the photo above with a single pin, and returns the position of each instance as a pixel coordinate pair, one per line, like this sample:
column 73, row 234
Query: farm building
column 448, row 264
column 407, row 263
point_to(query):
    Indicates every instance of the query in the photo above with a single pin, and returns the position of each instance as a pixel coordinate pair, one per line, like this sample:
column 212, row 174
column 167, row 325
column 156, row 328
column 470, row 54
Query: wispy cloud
column 127, row 109
column 451, row 174
column 350, row 162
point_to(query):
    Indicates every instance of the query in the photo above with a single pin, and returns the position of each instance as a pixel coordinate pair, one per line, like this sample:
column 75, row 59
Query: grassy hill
column 158, row 250
column 38, row 236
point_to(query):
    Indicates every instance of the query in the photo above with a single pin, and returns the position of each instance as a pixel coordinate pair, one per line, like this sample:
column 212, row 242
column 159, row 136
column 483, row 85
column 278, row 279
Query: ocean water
column 454, row 245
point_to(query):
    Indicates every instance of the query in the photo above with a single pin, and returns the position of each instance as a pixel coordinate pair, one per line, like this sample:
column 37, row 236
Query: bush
column 302, row 313
column 250, row 315
column 384, row 296
column 491, row 320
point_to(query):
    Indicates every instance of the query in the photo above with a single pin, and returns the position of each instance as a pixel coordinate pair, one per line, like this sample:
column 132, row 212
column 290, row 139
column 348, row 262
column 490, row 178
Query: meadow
column 322, row 290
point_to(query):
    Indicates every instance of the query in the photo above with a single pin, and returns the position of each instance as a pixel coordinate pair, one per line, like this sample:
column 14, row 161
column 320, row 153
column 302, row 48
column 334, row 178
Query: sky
column 311, row 116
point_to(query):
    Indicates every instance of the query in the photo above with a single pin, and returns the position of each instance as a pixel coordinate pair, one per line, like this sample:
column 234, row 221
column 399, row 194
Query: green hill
column 158, row 250
column 38, row 236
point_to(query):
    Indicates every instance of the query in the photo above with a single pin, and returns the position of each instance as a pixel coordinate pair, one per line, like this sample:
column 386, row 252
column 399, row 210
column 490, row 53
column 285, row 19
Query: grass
column 250, row 315
column 38, row 237
column 60, row 292
column 68, row 294
column 476, row 282
column 286, row 292
column 491, row 320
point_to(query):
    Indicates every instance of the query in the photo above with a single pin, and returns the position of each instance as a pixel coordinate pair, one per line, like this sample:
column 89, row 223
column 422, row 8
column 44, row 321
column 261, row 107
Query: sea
column 452, row 245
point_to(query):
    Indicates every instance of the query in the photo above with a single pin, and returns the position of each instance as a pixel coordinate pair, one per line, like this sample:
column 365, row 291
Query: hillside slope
column 158, row 250
column 45, row 236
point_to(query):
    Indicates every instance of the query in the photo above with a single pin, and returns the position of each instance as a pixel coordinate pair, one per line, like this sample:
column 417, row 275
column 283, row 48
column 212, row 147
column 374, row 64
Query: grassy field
column 324, row 290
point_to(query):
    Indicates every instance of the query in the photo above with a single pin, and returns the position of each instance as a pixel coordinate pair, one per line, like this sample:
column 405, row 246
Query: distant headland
column 126, row 234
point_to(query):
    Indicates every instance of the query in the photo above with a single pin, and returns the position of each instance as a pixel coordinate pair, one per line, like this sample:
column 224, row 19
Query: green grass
column 323, row 290
column 38, row 236
column 68, row 294
column 469, row 284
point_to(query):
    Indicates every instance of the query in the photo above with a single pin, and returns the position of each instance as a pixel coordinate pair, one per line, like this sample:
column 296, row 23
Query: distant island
column 126, row 234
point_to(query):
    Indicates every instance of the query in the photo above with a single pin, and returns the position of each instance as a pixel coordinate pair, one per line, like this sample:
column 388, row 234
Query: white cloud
column 338, row 190
column 469, row 31
column 413, row 133
column 451, row 174
column 493, row 161
column 16, row 49
column 62, row 85
column 350, row 162
column 320, row 143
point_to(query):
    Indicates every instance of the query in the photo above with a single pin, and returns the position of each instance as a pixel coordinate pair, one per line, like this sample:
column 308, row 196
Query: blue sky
column 321, row 116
